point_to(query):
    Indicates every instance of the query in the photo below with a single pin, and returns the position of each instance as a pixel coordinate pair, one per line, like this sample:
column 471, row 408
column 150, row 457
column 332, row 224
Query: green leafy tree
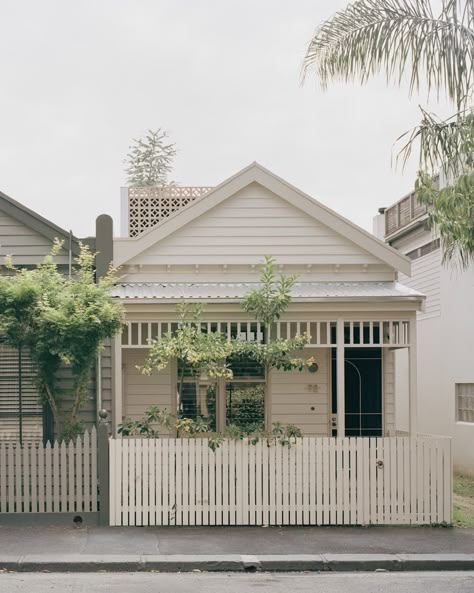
column 150, row 159
column 266, row 304
column 59, row 321
column 407, row 38
column 197, row 352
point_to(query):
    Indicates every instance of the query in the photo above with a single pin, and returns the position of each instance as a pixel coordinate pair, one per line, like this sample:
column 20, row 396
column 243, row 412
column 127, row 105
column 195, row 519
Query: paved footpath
column 179, row 549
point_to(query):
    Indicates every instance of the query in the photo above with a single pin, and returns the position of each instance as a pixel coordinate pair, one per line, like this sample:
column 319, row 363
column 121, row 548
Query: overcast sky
column 80, row 79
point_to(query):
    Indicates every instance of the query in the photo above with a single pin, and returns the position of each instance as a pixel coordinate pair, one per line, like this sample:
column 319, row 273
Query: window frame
column 221, row 392
column 457, row 396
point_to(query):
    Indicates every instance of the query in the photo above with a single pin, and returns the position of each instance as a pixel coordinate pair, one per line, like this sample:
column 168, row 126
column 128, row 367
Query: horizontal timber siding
column 426, row 278
column 106, row 378
column 142, row 391
column 253, row 223
column 292, row 397
column 26, row 246
column 388, row 392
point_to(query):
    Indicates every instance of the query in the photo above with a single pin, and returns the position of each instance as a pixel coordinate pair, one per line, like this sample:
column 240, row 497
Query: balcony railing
column 402, row 213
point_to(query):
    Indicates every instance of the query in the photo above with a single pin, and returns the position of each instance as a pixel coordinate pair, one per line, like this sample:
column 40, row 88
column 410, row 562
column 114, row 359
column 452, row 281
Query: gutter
column 153, row 301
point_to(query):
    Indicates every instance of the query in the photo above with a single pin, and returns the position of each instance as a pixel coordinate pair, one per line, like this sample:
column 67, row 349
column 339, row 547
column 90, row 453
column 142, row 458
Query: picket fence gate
column 316, row 481
column 58, row 478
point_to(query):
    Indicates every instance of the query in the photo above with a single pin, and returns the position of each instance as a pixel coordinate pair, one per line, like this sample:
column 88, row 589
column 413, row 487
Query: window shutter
column 31, row 408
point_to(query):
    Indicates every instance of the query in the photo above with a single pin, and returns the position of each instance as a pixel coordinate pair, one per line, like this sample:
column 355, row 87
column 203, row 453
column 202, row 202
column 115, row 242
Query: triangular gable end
column 225, row 205
column 28, row 237
column 37, row 223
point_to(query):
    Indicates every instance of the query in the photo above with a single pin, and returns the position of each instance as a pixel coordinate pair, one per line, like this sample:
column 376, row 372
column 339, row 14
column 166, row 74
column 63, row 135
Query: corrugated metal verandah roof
column 236, row 290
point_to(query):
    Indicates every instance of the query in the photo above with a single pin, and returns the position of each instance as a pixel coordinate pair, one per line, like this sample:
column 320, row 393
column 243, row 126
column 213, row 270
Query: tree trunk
column 81, row 384
column 267, row 393
column 55, row 411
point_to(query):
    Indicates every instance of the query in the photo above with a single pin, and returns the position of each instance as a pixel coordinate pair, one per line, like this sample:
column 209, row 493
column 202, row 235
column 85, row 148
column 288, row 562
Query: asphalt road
column 439, row 582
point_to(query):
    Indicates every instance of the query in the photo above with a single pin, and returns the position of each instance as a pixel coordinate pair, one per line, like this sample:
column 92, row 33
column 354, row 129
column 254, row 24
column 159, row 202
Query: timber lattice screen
column 318, row 481
column 148, row 206
column 56, row 478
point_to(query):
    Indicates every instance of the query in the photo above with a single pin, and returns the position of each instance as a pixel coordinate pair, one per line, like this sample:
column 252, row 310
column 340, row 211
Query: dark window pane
column 352, row 421
column 199, row 401
column 244, row 367
column 371, row 421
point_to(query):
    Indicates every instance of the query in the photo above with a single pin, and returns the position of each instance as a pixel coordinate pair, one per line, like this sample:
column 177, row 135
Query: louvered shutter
column 31, row 409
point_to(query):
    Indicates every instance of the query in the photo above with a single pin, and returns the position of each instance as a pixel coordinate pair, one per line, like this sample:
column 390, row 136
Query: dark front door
column 363, row 391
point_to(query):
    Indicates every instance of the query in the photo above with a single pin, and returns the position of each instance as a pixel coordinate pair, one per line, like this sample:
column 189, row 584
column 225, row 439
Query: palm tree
column 406, row 39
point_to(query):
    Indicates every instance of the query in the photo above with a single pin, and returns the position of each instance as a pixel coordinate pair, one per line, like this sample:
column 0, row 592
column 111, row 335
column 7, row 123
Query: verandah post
column 341, row 404
column 103, row 468
column 412, row 379
column 117, row 404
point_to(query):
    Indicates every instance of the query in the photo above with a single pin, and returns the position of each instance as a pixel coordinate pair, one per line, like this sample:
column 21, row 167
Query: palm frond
column 401, row 38
column 443, row 144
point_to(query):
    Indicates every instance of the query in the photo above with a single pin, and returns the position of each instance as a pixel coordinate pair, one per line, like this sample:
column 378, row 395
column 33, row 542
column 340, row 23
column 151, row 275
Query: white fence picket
column 316, row 481
column 38, row 479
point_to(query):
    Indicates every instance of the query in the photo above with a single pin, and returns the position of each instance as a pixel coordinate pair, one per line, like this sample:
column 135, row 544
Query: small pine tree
column 150, row 159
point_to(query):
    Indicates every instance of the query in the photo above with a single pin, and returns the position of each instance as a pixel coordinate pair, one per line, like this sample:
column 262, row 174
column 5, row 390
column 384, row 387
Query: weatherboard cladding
column 229, row 290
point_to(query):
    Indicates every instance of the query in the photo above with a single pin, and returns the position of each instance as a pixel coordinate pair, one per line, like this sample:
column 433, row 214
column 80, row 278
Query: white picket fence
column 49, row 479
column 318, row 481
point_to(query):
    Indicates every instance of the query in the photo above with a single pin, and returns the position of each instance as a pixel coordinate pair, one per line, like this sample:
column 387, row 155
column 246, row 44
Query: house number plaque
column 312, row 387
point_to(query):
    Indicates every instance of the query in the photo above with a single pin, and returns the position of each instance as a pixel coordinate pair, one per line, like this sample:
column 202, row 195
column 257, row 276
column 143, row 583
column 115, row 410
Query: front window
column 198, row 398
column 239, row 402
column 465, row 402
column 245, row 395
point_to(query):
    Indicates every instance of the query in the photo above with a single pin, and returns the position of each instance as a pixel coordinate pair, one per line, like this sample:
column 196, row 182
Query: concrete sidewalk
column 235, row 548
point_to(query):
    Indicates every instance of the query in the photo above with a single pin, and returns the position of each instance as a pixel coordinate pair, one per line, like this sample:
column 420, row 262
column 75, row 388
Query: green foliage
column 245, row 407
column 399, row 38
column 407, row 37
column 278, row 354
column 268, row 302
column 451, row 210
column 60, row 322
column 150, row 159
column 149, row 425
column 154, row 418
column 463, row 495
column 446, row 144
column 196, row 351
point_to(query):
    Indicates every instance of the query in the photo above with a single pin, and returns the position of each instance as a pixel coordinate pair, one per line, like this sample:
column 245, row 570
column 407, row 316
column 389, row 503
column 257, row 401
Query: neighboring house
column 445, row 331
column 28, row 237
column 205, row 245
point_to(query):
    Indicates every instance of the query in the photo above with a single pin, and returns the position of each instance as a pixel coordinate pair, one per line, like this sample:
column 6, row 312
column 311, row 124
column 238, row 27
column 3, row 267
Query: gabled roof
column 35, row 221
column 128, row 248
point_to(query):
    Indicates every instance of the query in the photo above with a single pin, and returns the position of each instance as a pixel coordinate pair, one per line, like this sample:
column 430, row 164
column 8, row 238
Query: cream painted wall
column 293, row 398
column 253, row 223
column 142, row 391
column 388, row 392
column 444, row 349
